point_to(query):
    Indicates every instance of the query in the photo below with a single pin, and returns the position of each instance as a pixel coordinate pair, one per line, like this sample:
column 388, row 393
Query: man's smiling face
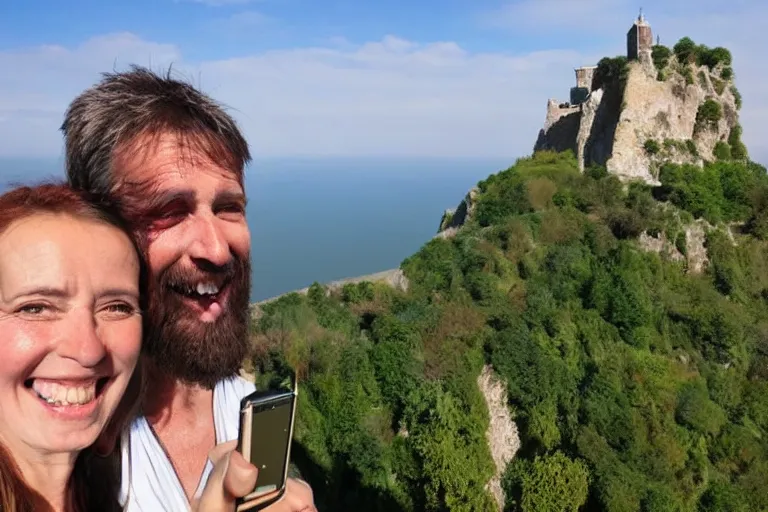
column 189, row 213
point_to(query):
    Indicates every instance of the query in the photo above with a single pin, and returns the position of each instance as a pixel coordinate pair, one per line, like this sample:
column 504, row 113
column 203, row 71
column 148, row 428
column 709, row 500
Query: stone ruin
column 609, row 127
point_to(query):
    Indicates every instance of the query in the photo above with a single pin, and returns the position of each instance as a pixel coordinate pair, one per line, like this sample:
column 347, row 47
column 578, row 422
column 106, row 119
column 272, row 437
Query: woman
column 70, row 338
column 70, row 325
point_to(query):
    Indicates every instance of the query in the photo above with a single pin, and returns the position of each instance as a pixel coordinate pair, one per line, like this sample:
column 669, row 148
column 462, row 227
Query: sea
column 328, row 218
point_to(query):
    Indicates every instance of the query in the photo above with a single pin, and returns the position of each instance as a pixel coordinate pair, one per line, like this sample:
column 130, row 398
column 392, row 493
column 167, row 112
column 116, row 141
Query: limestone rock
column 502, row 435
column 661, row 245
column 453, row 219
column 695, row 238
column 666, row 111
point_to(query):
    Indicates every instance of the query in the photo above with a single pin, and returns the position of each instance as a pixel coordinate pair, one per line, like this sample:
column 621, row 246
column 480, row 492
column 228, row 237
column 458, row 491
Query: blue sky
column 344, row 77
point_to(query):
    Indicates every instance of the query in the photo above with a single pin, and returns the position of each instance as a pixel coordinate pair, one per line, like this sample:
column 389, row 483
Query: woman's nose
column 81, row 341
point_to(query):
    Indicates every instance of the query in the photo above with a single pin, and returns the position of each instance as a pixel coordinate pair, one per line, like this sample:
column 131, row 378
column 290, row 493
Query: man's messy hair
column 110, row 116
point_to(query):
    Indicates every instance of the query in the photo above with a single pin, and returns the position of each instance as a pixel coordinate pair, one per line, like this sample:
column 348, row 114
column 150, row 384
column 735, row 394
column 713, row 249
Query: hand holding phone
column 266, row 431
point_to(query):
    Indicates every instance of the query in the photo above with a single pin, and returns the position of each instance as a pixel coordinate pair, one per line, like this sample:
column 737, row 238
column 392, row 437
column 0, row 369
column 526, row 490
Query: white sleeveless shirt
column 149, row 482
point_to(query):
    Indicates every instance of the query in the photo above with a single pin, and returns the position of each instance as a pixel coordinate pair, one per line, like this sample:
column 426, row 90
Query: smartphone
column 266, row 431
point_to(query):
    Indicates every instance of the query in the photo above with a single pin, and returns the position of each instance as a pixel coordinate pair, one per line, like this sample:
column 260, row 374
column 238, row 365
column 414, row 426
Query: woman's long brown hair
column 95, row 479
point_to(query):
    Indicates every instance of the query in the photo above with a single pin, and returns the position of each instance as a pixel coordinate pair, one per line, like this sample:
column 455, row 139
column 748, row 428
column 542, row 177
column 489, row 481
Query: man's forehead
column 166, row 162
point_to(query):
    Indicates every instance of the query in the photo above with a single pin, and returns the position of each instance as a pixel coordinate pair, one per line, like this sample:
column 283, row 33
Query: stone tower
column 639, row 40
column 583, row 87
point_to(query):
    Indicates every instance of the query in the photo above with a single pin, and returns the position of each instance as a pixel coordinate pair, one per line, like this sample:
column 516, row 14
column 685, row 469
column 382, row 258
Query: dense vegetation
column 636, row 384
column 688, row 54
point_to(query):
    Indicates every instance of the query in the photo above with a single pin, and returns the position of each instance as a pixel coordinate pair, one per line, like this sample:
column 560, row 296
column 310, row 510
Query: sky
column 448, row 78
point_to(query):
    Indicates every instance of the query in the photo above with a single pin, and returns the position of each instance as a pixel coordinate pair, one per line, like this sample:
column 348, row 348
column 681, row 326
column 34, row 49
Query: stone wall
column 560, row 129
column 584, row 76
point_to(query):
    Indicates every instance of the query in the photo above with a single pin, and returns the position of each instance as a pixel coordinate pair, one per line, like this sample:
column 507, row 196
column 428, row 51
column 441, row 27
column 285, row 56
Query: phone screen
column 270, row 437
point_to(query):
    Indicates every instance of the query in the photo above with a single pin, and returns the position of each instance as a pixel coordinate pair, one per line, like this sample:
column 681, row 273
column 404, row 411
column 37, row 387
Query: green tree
column 685, row 50
column 555, row 483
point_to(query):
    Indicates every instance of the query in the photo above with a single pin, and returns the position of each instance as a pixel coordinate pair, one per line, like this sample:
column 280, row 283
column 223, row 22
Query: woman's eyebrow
column 47, row 291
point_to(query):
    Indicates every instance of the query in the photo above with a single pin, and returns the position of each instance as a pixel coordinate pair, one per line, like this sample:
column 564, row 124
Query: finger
column 240, row 477
column 221, row 450
column 214, row 496
column 227, row 480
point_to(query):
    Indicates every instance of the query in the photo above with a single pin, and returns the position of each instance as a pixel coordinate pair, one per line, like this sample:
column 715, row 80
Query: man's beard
column 187, row 349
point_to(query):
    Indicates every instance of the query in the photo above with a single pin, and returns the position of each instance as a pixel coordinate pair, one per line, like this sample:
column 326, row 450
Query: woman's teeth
column 59, row 394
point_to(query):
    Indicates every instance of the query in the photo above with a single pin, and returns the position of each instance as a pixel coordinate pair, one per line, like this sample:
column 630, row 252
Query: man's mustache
column 182, row 275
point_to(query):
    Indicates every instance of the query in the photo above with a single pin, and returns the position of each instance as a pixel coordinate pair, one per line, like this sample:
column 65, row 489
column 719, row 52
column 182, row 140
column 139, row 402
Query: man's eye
column 170, row 213
column 232, row 208
column 120, row 309
column 167, row 218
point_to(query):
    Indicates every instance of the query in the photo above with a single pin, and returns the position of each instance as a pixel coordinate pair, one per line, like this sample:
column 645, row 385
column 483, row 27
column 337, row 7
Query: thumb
column 232, row 477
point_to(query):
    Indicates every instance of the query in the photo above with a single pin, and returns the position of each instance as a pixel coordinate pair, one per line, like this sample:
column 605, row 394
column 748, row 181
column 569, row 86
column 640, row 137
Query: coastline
column 393, row 277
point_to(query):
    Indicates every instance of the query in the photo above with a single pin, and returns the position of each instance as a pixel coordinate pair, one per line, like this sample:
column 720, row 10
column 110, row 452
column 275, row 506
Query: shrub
column 712, row 57
column 651, row 147
column 680, row 243
column 691, row 147
column 688, row 75
column 697, row 411
column 679, row 145
column 709, row 113
column 355, row 293
column 702, row 79
column 555, row 482
column 722, row 151
column 726, row 73
column 719, row 85
column 736, row 96
column 660, row 55
column 738, row 149
column 685, row 50
column 719, row 55
column 611, row 71
column 688, row 52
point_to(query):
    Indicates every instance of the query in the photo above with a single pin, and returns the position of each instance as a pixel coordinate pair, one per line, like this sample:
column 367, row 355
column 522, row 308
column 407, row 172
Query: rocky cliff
column 639, row 113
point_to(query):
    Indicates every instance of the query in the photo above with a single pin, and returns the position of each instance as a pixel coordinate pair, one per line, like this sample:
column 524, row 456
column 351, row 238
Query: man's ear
column 127, row 409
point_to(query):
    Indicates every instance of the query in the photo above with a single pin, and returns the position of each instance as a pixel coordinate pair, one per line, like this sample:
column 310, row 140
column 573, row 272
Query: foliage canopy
column 636, row 385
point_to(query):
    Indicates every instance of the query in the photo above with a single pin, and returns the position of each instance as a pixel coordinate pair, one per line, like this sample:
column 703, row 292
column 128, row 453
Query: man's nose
column 81, row 342
column 209, row 242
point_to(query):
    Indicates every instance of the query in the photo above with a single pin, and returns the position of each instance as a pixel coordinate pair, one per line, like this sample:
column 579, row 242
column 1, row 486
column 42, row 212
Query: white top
column 149, row 482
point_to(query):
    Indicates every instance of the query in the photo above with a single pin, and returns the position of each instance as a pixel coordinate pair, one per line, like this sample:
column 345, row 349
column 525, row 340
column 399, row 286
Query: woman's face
column 70, row 330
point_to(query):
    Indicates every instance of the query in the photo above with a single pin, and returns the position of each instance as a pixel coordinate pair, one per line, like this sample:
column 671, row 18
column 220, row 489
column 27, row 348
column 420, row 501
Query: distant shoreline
column 393, row 277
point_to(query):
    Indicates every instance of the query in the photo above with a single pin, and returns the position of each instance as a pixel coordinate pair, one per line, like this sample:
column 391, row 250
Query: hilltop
column 632, row 112
column 580, row 334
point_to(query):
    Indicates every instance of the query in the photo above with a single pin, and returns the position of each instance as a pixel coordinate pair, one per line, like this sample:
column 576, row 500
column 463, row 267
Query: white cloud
column 39, row 83
column 387, row 97
column 393, row 96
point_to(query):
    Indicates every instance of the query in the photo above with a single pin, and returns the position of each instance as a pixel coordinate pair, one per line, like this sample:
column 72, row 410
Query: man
column 172, row 162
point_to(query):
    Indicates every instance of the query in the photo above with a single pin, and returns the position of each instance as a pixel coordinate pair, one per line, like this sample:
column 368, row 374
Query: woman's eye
column 32, row 309
column 37, row 311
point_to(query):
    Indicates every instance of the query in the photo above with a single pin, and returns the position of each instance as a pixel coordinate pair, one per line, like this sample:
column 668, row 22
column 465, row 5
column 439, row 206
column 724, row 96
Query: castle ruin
column 605, row 123
column 639, row 48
